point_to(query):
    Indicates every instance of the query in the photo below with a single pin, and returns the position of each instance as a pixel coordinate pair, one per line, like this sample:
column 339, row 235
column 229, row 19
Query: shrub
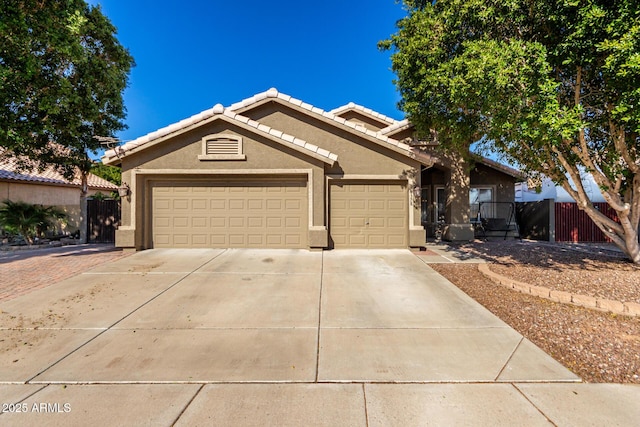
column 27, row 219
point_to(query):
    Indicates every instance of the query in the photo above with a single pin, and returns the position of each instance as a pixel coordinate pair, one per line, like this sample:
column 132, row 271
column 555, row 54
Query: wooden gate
column 103, row 217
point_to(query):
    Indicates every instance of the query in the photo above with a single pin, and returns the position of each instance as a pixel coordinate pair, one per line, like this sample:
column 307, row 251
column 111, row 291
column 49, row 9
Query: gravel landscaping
column 597, row 346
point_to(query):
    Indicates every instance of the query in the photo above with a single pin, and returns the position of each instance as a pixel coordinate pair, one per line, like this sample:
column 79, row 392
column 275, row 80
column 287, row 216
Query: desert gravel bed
column 601, row 272
column 597, row 346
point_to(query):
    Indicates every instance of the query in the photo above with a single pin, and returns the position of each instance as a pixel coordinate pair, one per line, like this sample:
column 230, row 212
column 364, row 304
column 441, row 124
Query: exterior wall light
column 124, row 190
column 417, row 192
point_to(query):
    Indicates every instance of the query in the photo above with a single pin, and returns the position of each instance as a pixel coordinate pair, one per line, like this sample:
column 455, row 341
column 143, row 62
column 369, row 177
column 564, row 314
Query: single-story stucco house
column 48, row 188
column 272, row 171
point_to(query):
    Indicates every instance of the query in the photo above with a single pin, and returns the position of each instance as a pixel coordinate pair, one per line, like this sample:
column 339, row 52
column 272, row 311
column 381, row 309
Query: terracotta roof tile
column 272, row 93
column 365, row 110
column 219, row 110
column 10, row 171
column 394, row 127
column 384, row 140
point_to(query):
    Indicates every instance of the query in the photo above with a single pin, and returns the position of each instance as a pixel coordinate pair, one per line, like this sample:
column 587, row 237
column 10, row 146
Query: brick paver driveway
column 23, row 271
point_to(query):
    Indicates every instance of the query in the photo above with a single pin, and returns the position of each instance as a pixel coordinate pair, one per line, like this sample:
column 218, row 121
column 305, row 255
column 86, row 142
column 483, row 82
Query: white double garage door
column 275, row 214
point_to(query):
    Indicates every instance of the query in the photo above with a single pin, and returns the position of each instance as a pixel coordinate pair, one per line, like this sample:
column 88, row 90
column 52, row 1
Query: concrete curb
column 616, row 307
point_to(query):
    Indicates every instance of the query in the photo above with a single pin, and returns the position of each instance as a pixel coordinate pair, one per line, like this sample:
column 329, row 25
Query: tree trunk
column 83, row 208
column 625, row 237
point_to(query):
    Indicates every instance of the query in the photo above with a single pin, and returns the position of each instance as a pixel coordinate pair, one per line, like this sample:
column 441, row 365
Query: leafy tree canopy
column 552, row 85
column 62, row 74
column 110, row 173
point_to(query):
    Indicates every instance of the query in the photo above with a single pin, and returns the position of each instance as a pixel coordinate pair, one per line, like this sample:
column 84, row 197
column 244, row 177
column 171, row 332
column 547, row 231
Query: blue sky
column 191, row 55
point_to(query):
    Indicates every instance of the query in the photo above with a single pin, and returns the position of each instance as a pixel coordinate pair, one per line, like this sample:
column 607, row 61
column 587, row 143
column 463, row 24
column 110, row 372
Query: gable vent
column 222, row 147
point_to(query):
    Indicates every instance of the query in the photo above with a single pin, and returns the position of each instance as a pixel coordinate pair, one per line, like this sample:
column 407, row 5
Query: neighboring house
column 549, row 190
column 274, row 172
column 48, row 188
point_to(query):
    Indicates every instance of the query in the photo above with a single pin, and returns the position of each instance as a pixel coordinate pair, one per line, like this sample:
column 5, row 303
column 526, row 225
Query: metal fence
column 573, row 225
column 103, row 217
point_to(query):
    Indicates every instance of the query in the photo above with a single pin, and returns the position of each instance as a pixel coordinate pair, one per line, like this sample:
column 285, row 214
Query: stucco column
column 457, row 224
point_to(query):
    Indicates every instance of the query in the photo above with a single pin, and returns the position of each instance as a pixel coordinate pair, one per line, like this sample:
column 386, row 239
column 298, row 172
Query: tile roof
column 219, row 111
column 368, row 111
column 273, row 94
column 10, row 171
column 233, row 113
column 397, row 126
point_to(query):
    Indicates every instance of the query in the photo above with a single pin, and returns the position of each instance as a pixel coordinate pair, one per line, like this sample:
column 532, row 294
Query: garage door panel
column 254, row 222
column 230, row 215
column 254, row 204
column 291, row 239
column 219, row 240
column 357, row 240
column 218, row 222
column 199, row 204
column 199, row 240
column 377, row 204
column 198, row 222
column 397, row 205
column 163, row 203
column 235, row 204
column 163, row 239
column 274, row 204
column 357, row 222
column 292, row 222
column 377, row 240
column 219, row 204
column 255, row 239
column 180, row 239
column 397, row 241
column 180, row 222
column 378, row 222
column 395, row 222
column 368, row 216
column 163, row 221
column 237, row 240
column 292, row 205
column 356, row 204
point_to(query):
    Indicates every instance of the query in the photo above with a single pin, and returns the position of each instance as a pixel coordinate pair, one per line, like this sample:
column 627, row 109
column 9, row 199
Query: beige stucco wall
column 41, row 194
column 64, row 198
column 180, row 154
column 356, row 157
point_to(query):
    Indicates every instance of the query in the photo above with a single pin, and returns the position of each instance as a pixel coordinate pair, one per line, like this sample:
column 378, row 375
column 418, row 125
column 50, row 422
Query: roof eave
column 274, row 135
column 336, row 121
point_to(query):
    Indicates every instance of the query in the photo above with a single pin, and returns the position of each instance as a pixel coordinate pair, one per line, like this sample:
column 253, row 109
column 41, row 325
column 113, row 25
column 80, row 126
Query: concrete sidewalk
column 265, row 337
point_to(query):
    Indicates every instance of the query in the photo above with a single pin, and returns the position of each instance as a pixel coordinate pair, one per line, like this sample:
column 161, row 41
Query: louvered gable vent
column 222, row 147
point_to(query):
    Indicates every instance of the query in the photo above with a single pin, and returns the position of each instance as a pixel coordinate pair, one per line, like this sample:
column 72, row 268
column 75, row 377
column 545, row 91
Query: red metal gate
column 573, row 225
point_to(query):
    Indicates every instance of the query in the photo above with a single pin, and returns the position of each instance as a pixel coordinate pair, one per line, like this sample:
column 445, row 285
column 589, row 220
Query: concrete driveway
column 257, row 337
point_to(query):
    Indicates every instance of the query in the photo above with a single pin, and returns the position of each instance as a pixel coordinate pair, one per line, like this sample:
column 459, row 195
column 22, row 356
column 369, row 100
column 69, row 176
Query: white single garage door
column 368, row 215
column 230, row 215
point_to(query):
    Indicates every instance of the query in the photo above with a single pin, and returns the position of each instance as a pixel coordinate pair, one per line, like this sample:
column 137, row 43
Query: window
column 478, row 195
column 425, row 206
column 222, row 147
column 441, row 203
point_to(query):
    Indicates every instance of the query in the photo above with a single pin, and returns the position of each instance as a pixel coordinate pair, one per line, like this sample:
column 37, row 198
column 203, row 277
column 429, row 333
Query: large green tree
column 62, row 76
column 552, row 85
